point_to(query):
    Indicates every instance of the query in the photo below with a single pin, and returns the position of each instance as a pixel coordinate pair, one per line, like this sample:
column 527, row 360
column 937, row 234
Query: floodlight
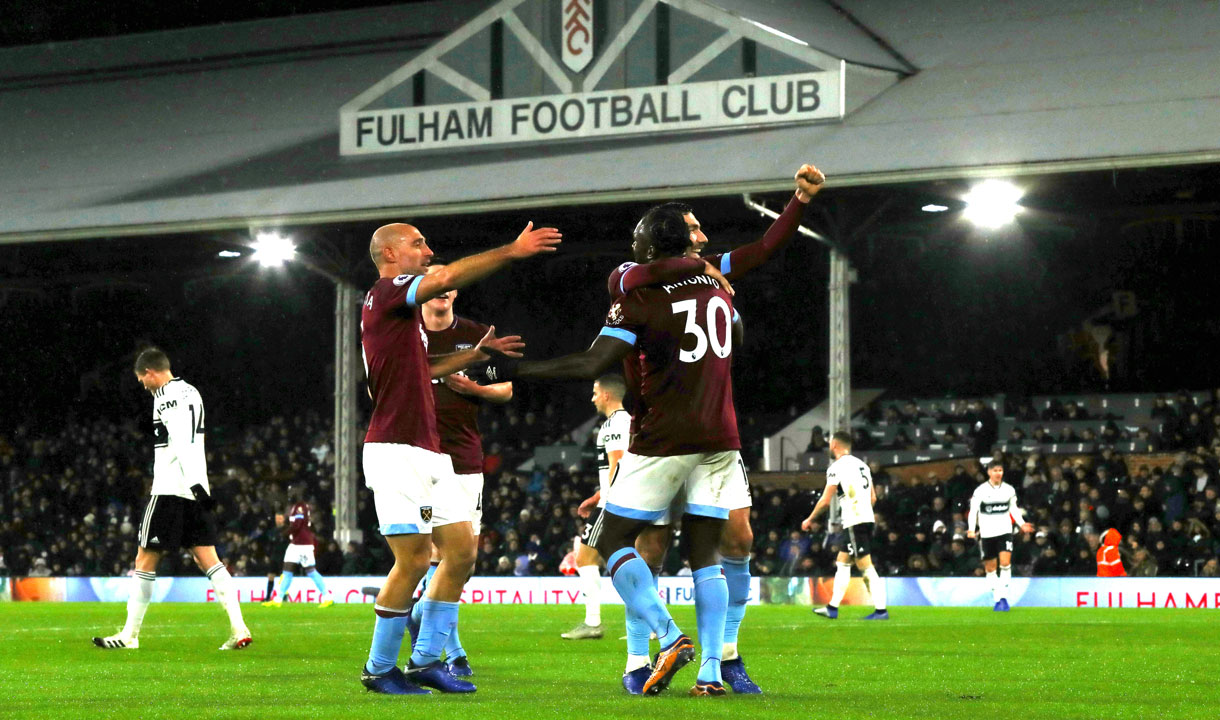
column 933, row 208
column 272, row 249
column 228, row 254
column 992, row 203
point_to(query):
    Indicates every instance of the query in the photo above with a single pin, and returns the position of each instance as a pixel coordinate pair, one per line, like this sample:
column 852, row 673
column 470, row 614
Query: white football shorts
column 708, row 484
column 403, row 479
column 459, row 499
column 301, row 555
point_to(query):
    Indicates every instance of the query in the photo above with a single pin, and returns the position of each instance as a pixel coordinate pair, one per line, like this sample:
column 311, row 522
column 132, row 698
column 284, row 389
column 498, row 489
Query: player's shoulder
column 614, row 283
column 176, row 389
column 619, row 418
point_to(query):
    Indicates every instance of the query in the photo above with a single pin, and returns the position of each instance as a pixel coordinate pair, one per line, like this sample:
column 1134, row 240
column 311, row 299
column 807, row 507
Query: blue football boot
column 878, row 615
column 830, row 612
column 460, row 667
column 437, row 675
column 1004, row 605
column 393, row 682
column 735, row 676
column 633, row 682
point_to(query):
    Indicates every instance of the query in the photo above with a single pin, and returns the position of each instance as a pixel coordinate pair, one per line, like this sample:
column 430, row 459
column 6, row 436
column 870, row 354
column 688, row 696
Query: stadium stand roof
column 228, row 126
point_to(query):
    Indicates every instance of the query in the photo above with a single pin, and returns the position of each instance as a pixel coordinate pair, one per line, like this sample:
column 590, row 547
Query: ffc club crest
column 577, row 33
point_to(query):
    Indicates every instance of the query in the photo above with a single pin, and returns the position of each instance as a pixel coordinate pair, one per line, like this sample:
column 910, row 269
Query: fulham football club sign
column 533, row 71
column 577, row 34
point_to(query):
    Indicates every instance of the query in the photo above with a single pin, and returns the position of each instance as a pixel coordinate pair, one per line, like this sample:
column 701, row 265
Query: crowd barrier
column 1090, row 592
column 479, row 590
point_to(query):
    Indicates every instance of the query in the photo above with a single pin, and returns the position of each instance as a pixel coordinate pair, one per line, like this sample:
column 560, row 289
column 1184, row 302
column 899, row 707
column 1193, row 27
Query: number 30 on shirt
column 706, row 335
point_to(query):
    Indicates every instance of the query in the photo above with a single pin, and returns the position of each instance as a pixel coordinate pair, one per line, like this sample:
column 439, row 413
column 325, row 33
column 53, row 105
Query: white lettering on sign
column 577, row 21
column 781, row 99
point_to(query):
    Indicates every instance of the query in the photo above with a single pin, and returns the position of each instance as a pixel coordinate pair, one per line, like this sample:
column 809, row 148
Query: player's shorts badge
column 425, row 513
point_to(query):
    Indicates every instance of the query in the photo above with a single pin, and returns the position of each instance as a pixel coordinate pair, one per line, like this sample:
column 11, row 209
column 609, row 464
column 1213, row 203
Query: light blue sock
column 437, row 620
column 417, row 611
column 453, row 646
column 633, row 580
column 285, row 583
column 388, row 630
column 711, row 604
column 737, row 575
column 637, row 634
column 318, row 582
column 637, row 629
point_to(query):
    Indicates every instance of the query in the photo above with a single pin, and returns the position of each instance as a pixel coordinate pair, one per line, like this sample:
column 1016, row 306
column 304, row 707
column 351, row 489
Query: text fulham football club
column 692, row 106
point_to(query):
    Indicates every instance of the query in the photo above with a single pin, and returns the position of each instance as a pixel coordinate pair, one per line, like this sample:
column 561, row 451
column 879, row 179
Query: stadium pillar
column 347, row 304
column 839, row 377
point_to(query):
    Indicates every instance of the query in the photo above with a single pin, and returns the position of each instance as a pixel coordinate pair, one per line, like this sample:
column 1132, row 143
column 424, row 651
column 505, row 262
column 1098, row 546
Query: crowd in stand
column 1172, row 423
column 70, row 504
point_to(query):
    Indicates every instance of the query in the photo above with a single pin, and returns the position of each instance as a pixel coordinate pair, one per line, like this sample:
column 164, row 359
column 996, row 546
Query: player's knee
column 704, row 534
column 737, row 540
column 651, row 544
column 614, row 533
column 462, row 556
column 410, row 565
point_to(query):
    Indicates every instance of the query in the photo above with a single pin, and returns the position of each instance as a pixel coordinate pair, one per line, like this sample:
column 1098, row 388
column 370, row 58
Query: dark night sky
column 939, row 308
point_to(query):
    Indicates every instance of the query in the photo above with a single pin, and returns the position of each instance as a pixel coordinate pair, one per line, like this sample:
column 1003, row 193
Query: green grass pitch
column 924, row 663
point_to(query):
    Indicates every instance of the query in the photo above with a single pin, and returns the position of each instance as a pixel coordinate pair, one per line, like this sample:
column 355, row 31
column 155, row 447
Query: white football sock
column 728, row 652
column 995, row 586
column 842, row 578
column 1005, row 577
column 137, row 602
column 590, row 587
column 876, row 587
column 226, row 595
column 637, row 661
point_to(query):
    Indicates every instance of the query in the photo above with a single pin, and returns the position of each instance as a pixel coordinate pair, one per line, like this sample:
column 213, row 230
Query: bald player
column 402, row 454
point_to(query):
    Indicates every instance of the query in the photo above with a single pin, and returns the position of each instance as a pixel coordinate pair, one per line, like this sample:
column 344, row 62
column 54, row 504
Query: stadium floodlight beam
column 992, row 204
column 272, row 249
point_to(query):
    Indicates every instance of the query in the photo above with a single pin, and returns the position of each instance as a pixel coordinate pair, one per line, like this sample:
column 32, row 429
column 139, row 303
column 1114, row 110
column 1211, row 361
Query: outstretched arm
column 605, row 352
column 510, row 345
column 474, row 268
column 809, row 182
column 629, row 276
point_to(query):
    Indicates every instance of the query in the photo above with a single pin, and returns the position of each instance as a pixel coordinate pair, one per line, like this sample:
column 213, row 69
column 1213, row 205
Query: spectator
column 1143, row 564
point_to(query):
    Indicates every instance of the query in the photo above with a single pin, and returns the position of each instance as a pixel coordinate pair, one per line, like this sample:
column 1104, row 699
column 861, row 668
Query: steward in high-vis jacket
column 1109, row 564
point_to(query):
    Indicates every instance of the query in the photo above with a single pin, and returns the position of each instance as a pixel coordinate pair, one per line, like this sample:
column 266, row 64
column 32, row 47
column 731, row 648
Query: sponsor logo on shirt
column 994, row 508
column 615, row 316
column 402, row 280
